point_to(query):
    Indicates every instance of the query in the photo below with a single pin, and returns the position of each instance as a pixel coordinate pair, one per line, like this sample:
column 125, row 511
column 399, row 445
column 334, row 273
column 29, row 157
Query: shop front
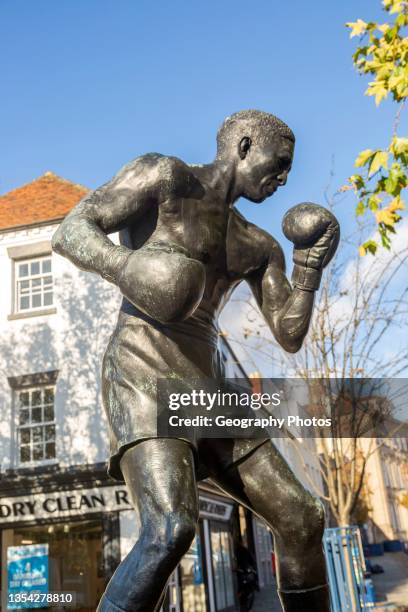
column 72, row 556
column 59, row 541
column 205, row 580
column 68, row 538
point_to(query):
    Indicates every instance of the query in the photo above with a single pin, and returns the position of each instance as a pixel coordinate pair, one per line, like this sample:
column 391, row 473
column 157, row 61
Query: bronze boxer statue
column 184, row 249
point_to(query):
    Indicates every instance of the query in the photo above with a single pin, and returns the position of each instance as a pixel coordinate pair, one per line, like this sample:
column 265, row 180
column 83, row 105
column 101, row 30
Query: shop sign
column 61, row 504
column 65, row 504
column 27, row 571
column 215, row 509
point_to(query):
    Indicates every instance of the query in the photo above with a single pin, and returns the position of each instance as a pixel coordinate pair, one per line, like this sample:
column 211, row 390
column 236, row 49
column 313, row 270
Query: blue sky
column 89, row 85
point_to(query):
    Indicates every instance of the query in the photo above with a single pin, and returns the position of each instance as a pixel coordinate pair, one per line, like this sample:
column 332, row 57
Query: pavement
column 267, row 600
column 391, row 587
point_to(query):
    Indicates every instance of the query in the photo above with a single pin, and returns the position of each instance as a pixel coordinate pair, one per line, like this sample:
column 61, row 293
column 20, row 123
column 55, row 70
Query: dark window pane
column 24, row 398
column 36, row 398
column 48, row 413
column 25, row 436
column 35, row 267
column 46, row 266
column 24, row 453
column 23, row 270
column 48, row 396
column 37, row 434
column 50, row 450
column 24, row 286
column 47, row 280
column 36, row 282
column 24, row 416
column 36, row 416
column 38, row 452
column 50, row 432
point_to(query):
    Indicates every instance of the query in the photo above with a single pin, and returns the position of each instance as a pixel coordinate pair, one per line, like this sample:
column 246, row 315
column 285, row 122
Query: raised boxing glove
column 315, row 233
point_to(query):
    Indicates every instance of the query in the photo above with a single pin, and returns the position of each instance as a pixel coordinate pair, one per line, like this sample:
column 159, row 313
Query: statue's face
column 265, row 168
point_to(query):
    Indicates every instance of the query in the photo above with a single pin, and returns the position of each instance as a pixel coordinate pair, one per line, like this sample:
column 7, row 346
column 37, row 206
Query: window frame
column 21, row 383
column 27, row 253
column 18, row 280
column 30, row 425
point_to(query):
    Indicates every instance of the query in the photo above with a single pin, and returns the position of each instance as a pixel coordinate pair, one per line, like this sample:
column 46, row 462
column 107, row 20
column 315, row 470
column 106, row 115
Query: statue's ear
column 244, row 146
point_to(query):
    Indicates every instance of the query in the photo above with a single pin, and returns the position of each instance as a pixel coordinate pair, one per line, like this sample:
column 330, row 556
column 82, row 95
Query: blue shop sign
column 27, row 572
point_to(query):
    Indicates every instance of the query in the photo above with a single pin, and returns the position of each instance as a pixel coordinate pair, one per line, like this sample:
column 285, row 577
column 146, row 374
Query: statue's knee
column 303, row 523
column 180, row 533
column 169, row 536
column 313, row 521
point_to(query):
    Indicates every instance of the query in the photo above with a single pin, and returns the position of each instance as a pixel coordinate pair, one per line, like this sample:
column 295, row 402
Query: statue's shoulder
column 165, row 175
column 257, row 242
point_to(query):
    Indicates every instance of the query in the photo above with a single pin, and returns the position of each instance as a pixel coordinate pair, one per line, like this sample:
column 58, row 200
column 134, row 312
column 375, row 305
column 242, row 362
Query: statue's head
column 261, row 147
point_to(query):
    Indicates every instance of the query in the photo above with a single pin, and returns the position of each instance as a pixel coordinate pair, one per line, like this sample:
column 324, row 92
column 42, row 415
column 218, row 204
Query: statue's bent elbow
column 57, row 241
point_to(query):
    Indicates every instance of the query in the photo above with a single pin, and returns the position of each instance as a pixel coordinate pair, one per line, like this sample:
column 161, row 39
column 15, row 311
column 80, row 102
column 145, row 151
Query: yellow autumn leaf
column 399, row 145
column 394, row 6
column 362, row 251
column 380, row 160
column 385, row 216
column 357, row 28
column 363, row 157
column 384, row 72
column 377, row 89
column 395, row 80
column 397, row 7
column 396, row 204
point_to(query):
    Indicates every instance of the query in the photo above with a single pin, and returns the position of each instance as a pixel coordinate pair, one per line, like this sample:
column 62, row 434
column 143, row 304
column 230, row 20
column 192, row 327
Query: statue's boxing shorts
column 140, row 352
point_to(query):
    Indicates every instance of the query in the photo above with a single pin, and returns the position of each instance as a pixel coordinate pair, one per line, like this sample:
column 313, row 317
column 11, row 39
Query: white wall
column 71, row 341
column 129, row 531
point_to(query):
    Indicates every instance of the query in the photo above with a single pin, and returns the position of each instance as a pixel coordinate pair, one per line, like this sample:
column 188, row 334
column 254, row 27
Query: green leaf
column 385, row 241
column 391, row 34
column 359, row 51
column 370, row 246
column 357, row 181
column 401, row 20
column 373, row 202
column 395, row 181
column 360, row 208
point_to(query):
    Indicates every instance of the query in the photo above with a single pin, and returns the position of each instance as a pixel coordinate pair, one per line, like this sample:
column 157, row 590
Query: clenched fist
column 315, row 233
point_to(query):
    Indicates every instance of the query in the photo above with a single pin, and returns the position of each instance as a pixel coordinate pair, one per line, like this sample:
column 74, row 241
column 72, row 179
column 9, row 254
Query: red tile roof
column 48, row 198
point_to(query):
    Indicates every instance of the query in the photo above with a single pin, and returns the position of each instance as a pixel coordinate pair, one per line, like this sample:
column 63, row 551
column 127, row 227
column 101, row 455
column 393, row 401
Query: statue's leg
column 160, row 477
column 264, row 483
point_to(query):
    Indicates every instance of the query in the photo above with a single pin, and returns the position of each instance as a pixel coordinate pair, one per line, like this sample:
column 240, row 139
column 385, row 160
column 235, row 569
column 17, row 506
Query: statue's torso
column 211, row 231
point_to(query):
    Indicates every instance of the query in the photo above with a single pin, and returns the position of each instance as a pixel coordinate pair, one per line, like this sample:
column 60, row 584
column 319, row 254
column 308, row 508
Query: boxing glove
column 315, row 233
column 162, row 281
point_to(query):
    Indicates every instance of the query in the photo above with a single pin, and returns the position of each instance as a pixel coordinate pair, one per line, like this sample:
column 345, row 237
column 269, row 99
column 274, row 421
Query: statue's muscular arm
column 287, row 310
column 83, row 235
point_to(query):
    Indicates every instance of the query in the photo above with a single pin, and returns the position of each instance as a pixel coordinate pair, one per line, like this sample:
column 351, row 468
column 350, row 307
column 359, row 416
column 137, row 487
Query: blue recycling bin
column 392, row 546
column 375, row 550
